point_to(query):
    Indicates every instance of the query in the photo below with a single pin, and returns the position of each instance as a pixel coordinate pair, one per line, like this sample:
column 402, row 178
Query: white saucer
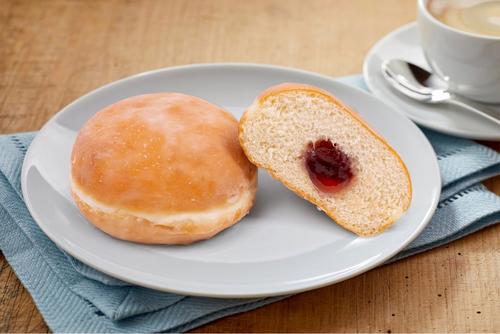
column 403, row 43
column 285, row 245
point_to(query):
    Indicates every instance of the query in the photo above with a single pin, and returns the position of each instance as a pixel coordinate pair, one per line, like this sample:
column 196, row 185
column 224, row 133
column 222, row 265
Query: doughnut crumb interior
column 324, row 152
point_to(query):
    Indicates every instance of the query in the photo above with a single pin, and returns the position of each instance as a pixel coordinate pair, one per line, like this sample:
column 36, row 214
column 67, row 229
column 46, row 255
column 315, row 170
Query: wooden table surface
column 51, row 52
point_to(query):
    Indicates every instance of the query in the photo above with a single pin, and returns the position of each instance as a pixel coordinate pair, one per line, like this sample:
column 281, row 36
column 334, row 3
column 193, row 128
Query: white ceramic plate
column 403, row 43
column 285, row 245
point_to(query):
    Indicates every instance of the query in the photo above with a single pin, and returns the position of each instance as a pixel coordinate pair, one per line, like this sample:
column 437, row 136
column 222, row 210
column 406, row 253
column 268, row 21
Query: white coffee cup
column 469, row 62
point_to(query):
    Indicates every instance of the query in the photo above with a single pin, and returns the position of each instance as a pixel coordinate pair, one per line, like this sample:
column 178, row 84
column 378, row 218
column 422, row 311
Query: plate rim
column 296, row 287
column 420, row 121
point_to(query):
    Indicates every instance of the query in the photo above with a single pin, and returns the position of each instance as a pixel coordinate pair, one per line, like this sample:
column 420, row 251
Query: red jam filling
column 328, row 166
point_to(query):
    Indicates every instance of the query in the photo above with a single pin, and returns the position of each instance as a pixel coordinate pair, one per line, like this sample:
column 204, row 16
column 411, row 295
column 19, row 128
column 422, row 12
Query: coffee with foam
column 475, row 16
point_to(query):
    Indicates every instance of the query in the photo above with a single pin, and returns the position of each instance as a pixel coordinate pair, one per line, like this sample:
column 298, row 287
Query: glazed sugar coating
column 161, row 153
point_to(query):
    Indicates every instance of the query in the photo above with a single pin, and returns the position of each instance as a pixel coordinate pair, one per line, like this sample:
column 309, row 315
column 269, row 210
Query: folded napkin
column 73, row 297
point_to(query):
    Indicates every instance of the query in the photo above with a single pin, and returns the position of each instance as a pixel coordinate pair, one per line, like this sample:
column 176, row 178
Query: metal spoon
column 421, row 85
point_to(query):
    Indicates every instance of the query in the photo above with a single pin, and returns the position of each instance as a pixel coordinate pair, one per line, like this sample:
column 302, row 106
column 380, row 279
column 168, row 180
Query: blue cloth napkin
column 73, row 297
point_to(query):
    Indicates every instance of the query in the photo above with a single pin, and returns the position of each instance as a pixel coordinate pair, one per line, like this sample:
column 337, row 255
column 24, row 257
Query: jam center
column 328, row 166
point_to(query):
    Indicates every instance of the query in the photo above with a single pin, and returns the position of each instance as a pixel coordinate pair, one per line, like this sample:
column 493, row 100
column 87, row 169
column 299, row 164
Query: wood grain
column 52, row 52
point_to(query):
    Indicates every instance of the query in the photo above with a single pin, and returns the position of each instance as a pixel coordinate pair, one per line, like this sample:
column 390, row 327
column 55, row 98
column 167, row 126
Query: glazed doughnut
column 162, row 168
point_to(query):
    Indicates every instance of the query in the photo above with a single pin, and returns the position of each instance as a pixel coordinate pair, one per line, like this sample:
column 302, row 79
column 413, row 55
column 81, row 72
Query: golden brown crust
column 161, row 153
column 132, row 228
column 286, row 87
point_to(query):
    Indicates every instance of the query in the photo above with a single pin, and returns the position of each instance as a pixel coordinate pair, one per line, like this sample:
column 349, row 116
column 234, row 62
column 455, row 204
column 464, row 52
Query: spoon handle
column 476, row 108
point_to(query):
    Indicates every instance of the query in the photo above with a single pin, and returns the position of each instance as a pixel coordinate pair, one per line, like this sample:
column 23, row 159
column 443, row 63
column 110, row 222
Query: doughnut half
column 287, row 122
